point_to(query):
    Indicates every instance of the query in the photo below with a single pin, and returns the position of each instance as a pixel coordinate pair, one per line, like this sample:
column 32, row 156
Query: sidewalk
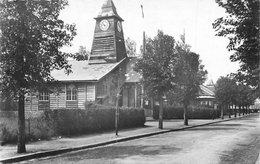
column 62, row 145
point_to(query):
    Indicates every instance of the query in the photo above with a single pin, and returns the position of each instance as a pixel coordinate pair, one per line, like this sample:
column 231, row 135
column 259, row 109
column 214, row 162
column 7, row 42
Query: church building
column 105, row 77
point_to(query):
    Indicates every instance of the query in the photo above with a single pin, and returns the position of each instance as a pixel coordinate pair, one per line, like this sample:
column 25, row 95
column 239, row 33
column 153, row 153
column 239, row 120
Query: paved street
column 232, row 142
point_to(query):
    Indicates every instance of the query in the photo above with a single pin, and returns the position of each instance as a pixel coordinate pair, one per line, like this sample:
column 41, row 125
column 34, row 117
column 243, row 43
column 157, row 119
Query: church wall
column 85, row 92
column 31, row 103
column 81, row 95
column 125, row 97
column 91, row 92
column 58, row 100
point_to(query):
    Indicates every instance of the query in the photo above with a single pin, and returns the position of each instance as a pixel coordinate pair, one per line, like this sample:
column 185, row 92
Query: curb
column 123, row 139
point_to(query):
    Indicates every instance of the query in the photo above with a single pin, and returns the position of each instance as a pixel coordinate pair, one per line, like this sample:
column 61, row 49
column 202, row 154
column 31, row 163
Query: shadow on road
column 121, row 152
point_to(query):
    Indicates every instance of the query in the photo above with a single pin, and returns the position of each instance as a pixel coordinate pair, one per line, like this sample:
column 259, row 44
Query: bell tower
column 108, row 43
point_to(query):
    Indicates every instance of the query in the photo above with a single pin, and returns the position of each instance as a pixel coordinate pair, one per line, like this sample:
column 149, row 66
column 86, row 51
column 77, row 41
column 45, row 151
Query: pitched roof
column 82, row 71
column 206, row 92
column 108, row 10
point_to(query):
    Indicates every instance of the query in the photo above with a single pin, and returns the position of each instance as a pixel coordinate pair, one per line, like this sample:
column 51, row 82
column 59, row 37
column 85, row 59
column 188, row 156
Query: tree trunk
column 117, row 117
column 229, row 111
column 222, row 112
column 185, row 115
column 21, row 126
column 161, row 113
column 243, row 110
column 235, row 111
column 239, row 110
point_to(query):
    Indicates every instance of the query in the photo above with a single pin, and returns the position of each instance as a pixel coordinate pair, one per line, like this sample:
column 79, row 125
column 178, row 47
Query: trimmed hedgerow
column 94, row 119
column 61, row 122
column 193, row 113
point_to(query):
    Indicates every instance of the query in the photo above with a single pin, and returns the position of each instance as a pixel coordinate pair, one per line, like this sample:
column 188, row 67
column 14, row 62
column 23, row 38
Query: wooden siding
column 120, row 48
column 131, row 97
column 71, row 104
column 91, row 89
column 31, row 104
column 125, row 97
column 44, row 105
column 81, row 95
column 58, row 101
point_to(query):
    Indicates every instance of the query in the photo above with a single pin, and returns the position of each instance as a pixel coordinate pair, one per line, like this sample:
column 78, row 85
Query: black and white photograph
column 130, row 81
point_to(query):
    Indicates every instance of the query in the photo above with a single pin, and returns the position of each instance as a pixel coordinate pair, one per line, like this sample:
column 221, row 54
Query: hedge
column 193, row 113
column 68, row 122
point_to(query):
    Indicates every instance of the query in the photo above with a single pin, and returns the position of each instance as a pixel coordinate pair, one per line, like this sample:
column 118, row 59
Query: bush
column 60, row 122
column 8, row 130
column 193, row 112
column 95, row 118
column 35, row 129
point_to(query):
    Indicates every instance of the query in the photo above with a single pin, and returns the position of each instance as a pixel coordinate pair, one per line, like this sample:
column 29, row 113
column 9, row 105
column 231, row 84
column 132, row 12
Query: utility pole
column 142, row 87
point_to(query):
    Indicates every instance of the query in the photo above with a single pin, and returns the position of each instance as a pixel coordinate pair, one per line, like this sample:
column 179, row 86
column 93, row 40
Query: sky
column 173, row 17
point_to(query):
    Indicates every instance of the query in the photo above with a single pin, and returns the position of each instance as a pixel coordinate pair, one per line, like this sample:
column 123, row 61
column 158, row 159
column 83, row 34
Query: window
column 44, row 96
column 210, row 103
column 71, row 92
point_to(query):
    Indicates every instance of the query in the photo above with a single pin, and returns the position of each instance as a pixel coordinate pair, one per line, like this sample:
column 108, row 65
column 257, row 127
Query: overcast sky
column 170, row 16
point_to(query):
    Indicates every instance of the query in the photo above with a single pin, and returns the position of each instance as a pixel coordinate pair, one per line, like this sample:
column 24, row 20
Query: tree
column 119, row 81
column 225, row 92
column 158, row 68
column 192, row 76
column 241, row 26
column 31, row 36
column 245, row 97
column 130, row 47
column 82, row 54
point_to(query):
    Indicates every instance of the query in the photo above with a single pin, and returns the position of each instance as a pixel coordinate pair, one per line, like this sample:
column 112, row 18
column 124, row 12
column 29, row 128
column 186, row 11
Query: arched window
column 44, row 96
column 71, row 92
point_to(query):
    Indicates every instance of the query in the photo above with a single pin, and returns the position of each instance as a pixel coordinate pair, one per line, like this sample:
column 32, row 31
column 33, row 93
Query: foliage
column 241, row 26
column 82, row 54
column 226, row 91
column 159, row 65
column 38, row 128
column 130, row 47
column 31, row 36
column 171, row 112
column 8, row 130
column 63, row 122
column 192, row 74
column 159, row 68
column 170, row 69
column 245, row 95
column 8, row 104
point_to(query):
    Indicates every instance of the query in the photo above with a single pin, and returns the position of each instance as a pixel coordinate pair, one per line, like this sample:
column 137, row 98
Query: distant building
column 206, row 95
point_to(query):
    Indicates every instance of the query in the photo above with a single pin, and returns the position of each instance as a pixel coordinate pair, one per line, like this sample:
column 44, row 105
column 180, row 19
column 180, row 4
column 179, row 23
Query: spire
column 108, row 10
column 210, row 83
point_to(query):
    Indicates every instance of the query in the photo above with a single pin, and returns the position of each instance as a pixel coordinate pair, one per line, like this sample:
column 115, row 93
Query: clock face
column 104, row 25
column 119, row 27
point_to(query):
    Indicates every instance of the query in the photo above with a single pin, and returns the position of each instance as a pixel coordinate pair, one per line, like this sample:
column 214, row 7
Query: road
column 230, row 142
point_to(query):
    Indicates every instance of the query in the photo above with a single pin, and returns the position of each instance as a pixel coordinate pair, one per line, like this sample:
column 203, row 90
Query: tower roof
column 108, row 10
